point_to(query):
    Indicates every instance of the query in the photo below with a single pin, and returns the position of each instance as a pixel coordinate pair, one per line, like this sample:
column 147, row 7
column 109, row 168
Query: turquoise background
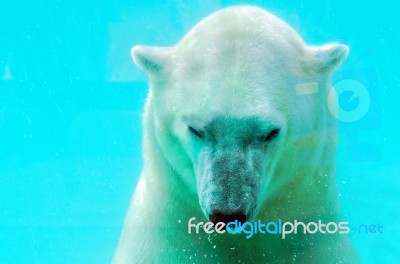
column 71, row 101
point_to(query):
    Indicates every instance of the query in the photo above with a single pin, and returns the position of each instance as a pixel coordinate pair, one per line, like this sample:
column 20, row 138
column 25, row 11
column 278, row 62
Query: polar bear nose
column 226, row 218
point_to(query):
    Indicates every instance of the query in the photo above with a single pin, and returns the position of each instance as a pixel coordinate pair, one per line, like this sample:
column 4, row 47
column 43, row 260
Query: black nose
column 226, row 218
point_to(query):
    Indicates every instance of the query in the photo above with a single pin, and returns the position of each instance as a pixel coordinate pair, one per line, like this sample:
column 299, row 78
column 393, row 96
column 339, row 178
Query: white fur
column 239, row 62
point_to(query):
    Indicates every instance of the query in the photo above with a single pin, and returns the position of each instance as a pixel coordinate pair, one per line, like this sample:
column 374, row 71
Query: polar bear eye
column 195, row 132
column 270, row 136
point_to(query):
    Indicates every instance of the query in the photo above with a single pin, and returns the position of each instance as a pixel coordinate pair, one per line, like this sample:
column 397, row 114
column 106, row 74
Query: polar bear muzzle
column 231, row 165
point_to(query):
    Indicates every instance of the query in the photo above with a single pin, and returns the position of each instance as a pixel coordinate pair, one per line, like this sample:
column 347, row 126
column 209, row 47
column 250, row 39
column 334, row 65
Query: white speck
column 344, row 182
column 214, row 246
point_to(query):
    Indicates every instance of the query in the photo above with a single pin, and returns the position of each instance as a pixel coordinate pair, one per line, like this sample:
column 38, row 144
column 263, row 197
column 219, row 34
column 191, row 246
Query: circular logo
column 358, row 92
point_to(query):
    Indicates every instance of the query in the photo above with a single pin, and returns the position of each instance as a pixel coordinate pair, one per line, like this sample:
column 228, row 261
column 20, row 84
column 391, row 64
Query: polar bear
column 236, row 128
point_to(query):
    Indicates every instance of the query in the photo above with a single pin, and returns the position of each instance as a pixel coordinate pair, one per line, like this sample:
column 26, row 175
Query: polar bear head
column 222, row 109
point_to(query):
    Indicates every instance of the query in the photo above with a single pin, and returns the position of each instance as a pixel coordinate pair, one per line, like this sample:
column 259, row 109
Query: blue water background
column 71, row 101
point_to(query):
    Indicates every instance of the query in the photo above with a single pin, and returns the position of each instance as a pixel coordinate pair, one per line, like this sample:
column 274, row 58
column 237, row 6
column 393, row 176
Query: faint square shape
column 307, row 88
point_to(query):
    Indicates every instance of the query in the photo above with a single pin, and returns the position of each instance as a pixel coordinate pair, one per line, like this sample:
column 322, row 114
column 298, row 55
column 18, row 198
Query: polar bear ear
column 152, row 60
column 328, row 57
